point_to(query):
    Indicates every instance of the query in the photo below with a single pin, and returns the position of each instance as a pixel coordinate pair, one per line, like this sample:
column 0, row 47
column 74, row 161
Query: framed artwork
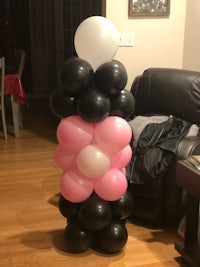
column 148, row 8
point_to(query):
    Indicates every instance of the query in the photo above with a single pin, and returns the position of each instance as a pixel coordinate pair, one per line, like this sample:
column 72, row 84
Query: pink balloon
column 92, row 161
column 73, row 133
column 111, row 186
column 123, row 170
column 63, row 158
column 113, row 133
column 121, row 159
column 75, row 188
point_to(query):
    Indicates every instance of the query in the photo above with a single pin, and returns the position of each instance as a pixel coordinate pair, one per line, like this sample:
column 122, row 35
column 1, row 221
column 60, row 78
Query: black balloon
column 77, row 238
column 76, row 75
column 112, row 238
column 95, row 213
column 122, row 104
column 68, row 209
column 111, row 77
column 123, row 207
column 62, row 104
column 93, row 106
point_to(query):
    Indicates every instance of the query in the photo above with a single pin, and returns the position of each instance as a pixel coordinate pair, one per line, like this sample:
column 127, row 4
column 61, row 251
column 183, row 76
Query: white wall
column 191, row 53
column 158, row 41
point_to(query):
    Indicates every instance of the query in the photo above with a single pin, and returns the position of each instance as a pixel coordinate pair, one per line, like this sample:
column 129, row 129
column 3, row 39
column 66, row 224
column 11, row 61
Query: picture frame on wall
column 140, row 8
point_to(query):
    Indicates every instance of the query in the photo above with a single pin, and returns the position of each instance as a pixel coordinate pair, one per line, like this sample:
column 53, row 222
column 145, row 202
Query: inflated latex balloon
column 111, row 186
column 77, row 238
column 113, row 134
column 112, row 238
column 96, row 40
column 74, row 134
column 92, row 161
column 76, row 75
column 74, row 187
column 121, row 159
column 95, row 213
column 93, row 106
column 64, row 158
column 68, row 209
column 123, row 207
column 123, row 170
column 62, row 104
column 111, row 77
column 122, row 104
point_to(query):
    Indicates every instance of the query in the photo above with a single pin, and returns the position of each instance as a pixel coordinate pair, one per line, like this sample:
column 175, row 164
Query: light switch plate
column 126, row 39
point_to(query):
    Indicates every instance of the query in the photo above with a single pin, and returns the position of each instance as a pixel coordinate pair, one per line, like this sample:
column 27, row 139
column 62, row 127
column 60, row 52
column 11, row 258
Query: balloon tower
column 93, row 141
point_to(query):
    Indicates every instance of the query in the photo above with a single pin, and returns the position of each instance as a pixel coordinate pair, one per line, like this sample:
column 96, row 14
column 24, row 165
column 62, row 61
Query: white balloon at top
column 96, row 40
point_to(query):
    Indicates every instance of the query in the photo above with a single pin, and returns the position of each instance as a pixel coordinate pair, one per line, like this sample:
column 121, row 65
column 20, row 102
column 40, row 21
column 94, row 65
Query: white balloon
column 93, row 162
column 96, row 40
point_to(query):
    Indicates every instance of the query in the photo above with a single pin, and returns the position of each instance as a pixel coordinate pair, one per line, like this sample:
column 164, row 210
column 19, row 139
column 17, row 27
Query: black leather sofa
column 164, row 91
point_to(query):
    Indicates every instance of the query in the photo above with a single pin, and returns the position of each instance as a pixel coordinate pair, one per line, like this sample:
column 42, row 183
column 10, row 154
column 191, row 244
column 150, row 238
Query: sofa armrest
column 188, row 146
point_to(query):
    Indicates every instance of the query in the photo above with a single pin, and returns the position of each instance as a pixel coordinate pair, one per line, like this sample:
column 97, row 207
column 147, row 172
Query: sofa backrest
column 168, row 92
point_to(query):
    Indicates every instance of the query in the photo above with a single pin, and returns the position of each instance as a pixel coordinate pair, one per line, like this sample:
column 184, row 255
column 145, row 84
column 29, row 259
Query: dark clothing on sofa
column 157, row 146
column 152, row 158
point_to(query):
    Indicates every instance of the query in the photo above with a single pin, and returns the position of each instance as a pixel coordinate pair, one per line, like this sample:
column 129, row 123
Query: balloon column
column 93, row 141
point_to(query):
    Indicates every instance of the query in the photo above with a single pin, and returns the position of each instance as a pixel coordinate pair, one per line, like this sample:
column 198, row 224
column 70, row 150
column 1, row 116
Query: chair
column 2, row 106
column 19, row 62
column 173, row 93
column 20, row 57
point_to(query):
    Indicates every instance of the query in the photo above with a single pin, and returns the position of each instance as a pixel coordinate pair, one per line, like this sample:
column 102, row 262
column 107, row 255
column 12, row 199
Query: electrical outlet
column 126, row 39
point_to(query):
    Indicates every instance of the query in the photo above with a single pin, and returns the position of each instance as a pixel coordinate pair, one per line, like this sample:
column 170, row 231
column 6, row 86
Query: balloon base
column 96, row 224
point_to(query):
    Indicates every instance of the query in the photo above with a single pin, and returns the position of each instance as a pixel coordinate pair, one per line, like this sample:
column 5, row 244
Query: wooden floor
column 31, row 227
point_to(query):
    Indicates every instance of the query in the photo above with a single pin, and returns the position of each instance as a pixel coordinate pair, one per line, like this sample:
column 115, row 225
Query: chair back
column 2, row 107
column 19, row 61
column 2, row 77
